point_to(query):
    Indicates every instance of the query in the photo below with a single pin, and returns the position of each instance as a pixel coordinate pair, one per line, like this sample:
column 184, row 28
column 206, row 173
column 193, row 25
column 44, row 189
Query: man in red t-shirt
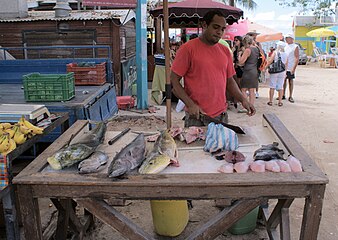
column 208, row 71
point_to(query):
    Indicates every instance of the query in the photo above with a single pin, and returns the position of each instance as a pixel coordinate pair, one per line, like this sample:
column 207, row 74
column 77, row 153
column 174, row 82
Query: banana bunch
column 12, row 135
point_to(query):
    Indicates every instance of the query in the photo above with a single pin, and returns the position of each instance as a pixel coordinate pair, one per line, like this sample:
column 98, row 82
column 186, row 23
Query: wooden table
column 250, row 189
column 7, row 195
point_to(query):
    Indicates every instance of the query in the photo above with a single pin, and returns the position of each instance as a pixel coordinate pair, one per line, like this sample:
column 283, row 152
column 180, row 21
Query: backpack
column 262, row 62
column 277, row 66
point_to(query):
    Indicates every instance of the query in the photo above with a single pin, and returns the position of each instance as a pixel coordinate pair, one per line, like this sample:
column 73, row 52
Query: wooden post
column 141, row 53
column 167, row 62
column 312, row 213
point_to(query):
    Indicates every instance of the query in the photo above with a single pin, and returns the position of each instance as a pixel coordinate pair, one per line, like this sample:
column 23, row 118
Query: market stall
column 250, row 188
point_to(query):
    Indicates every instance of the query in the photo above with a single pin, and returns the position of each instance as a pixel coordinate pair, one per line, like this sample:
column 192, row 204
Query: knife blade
column 235, row 128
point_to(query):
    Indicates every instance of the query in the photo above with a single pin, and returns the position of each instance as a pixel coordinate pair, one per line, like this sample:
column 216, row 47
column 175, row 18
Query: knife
column 118, row 136
column 236, row 129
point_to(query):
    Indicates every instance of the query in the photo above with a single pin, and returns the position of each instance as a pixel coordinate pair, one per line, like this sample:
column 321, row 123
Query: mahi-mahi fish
column 163, row 153
column 129, row 158
column 82, row 149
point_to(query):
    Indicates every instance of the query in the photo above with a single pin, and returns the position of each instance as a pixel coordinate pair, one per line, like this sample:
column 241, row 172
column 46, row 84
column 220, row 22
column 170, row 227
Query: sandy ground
column 311, row 119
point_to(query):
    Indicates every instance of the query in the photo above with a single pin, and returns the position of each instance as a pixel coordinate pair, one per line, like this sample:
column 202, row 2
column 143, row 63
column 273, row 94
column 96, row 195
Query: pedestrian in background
column 276, row 65
column 249, row 60
column 292, row 52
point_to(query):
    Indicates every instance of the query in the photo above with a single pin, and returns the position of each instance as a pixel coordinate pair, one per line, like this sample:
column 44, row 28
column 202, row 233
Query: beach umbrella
column 320, row 32
column 334, row 28
column 189, row 12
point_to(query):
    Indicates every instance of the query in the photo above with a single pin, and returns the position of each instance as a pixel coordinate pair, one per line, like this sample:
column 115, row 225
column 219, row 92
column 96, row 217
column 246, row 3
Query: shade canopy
column 269, row 37
column 320, row 32
column 189, row 12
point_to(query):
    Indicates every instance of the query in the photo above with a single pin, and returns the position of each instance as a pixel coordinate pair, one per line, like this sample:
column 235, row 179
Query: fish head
column 117, row 169
column 155, row 165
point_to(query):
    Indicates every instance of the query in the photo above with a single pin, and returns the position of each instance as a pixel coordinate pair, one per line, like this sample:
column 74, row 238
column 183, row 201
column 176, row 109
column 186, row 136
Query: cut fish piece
column 258, row 166
column 226, row 168
column 272, row 166
column 284, row 166
column 294, row 163
column 241, row 167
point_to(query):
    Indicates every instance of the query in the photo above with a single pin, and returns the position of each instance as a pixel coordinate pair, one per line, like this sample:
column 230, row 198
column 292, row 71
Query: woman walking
column 249, row 59
column 276, row 67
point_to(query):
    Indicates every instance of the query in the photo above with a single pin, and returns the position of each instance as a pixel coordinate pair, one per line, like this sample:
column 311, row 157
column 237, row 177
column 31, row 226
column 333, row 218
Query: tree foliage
column 309, row 5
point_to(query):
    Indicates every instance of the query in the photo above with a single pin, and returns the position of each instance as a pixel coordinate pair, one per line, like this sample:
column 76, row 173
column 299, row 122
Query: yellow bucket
column 170, row 217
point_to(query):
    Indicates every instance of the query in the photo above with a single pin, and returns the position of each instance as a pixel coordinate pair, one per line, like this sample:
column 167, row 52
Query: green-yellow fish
column 163, row 153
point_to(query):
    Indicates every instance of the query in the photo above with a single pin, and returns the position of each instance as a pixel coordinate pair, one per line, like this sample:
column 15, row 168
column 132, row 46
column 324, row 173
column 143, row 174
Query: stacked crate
column 88, row 73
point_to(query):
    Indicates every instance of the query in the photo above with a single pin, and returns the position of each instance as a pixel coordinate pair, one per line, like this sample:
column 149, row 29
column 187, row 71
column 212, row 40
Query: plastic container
column 48, row 87
column 88, row 73
column 125, row 102
column 246, row 224
column 170, row 217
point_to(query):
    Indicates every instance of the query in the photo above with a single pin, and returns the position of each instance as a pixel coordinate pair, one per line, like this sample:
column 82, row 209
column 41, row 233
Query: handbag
column 277, row 67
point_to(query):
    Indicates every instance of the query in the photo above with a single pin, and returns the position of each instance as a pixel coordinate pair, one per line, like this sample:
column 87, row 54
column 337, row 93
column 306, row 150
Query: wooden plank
column 293, row 146
column 274, row 218
column 64, row 207
column 225, row 219
column 312, row 213
column 114, row 219
column 40, row 162
column 273, row 234
column 284, row 225
column 167, row 192
column 48, row 233
column 29, row 208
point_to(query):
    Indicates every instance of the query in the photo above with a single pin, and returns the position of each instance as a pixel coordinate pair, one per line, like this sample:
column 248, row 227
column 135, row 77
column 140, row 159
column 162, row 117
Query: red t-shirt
column 205, row 70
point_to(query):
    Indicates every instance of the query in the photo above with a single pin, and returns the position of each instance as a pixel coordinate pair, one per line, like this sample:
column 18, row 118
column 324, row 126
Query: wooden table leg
column 312, row 213
column 285, row 233
column 12, row 227
column 114, row 218
column 225, row 219
column 30, row 213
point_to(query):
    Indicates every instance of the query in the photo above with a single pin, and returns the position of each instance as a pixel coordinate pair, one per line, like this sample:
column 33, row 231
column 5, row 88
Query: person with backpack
column 262, row 61
column 249, row 60
column 276, row 68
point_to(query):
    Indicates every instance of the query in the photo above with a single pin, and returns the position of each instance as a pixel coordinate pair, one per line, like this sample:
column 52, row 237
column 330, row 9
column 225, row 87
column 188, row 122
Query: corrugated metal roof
column 122, row 15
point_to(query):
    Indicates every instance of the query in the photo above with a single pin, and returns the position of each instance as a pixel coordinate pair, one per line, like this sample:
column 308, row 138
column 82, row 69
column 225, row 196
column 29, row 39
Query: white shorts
column 277, row 80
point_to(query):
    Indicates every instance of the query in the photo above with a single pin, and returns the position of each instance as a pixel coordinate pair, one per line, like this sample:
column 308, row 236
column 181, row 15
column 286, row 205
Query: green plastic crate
column 48, row 87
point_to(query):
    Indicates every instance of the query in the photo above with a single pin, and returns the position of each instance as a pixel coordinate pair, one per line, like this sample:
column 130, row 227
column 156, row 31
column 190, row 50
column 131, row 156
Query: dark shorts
column 190, row 121
column 239, row 72
column 289, row 75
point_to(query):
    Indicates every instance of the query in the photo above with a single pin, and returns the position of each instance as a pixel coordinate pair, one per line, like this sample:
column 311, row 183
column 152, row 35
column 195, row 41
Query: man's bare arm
column 179, row 92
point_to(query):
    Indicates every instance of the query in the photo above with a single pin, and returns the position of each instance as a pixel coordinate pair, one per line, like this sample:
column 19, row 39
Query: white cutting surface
column 192, row 158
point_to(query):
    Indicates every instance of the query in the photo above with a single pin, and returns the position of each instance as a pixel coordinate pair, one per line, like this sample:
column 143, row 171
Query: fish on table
column 129, row 158
column 164, row 153
column 82, row 149
column 93, row 163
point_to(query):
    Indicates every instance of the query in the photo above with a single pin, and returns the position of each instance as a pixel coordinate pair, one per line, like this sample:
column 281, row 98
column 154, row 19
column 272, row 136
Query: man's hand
column 248, row 106
column 194, row 110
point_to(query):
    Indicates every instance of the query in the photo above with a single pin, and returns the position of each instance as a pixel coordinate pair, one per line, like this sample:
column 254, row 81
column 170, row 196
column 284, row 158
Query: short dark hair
column 239, row 38
column 207, row 18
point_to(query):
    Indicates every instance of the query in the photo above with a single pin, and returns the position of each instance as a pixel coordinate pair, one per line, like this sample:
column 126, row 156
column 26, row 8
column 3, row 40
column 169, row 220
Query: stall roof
column 122, row 15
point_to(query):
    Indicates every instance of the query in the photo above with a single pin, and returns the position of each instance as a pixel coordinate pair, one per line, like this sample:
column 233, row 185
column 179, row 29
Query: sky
column 270, row 14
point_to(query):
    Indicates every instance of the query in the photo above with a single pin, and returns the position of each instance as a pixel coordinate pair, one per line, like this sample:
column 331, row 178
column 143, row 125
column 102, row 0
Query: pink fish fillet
column 226, row 168
column 241, row 167
column 258, row 166
column 294, row 163
column 284, row 166
column 272, row 166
